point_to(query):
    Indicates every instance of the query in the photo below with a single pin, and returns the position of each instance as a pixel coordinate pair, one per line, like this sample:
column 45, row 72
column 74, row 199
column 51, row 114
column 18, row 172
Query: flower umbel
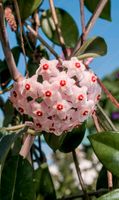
column 67, row 98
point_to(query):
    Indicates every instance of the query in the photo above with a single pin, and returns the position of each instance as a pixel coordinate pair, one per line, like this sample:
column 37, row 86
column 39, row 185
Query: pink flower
column 48, row 69
column 79, row 95
column 64, row 83
column 60, row 108
column 30, row 87
column 64, row 99
column 75, row 67
column 88, row 79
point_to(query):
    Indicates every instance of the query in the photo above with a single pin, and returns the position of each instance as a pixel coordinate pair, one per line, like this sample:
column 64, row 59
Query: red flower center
column 62, row 82
column 21, row 110
column 27, row 86
column 94, row 78
column 59, row 107
column 48, row 93
column 98, row 97
column 38, row 125
column 51, row 129
column 77, row 65
column 80, row 97
column 45, row 66
column 85, row 112
column 39, row 113
column 14, row 94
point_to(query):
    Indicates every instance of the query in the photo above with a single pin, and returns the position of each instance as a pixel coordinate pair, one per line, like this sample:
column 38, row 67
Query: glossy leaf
column 92, row 47
column 67, row 24
column 91, row 6
column 106, row 147
column 17, row 180
column 27, row 7
column 8, row 116
column 114, row 195
column 67, row 141
column 5, row 76
column 43, row 183
column 102, row 181
column 5, row 144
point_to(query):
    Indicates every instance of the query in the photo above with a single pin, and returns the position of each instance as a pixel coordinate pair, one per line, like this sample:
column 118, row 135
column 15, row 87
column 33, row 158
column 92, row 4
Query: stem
column 58, row 29
column 43, row 41
column 91, row 23
column 106, row 91
column 95, row 119
column 21, row 31
column 25, row 149
column 15, row 128
column 79, row 174
column 82, row 20
column 110, row 181
column 109, row 95
column 107, row 118
column 6, row 89
column 92, row 193
column 6, row 48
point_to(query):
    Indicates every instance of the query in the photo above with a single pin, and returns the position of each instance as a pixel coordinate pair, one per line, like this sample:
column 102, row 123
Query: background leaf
column 92, row 47
column 67, row 24
column 67, row 141
column 17, row 180
column 106, row 147
column 91, row 6
column 27, row 7
column 8, row 115
column 114, row 195
column 5, row 144
column 5, row 76
column 43, row 183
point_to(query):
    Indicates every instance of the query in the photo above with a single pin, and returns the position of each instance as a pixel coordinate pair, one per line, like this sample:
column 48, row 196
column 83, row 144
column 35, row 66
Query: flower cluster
column 58, row 97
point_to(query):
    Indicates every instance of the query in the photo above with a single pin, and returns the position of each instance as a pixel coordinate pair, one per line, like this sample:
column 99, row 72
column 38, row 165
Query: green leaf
column 67, row 25
column 114, row 195
column 5, row 144
column 16, row 53
column 106, row 147
column 17, row 180
column 32, row 67
column 43, row 183
column 102, row 181
column 27, row 7
column 92, row 47
column 8, row 116
column 67, row 141
column 91, row 6
column 5, row 76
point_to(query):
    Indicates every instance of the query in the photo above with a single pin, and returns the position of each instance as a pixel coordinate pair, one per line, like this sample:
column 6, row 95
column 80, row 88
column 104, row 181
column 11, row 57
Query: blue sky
column 108, row 30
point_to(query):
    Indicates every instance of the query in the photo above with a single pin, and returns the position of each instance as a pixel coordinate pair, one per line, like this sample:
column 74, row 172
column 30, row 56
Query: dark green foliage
column 67, row 24
column 67, row 141
column 102, row 181
column 114, row 195
column 43, row 183
column 17, row 180
column 5, row 76
column 106, row 147
column 27, row 7
column 92, row 47
column 106, row 13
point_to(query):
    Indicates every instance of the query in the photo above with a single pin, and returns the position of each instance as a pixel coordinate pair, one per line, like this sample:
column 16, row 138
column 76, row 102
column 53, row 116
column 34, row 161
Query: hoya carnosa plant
column 64, row 98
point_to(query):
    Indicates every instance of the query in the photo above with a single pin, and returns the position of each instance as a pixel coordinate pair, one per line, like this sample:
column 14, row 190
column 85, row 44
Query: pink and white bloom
column 75, row 67
column 48, row 69
column 62, row 101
